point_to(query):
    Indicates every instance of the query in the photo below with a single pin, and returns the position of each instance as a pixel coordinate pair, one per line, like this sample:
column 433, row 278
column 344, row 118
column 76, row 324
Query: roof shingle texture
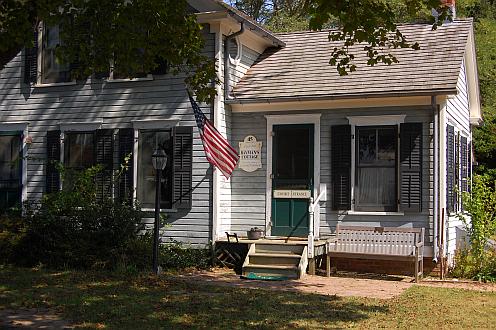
column 301, row 70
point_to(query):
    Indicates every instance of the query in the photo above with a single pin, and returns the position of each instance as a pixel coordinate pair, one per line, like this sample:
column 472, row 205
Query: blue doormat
column 253, row 276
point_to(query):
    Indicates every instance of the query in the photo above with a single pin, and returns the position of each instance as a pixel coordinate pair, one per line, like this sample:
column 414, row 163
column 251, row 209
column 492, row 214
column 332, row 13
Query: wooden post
column 311, row 266
column 328, row 265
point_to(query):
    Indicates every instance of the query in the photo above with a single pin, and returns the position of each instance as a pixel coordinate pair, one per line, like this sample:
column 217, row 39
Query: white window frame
column 360, row 121
column 138, row 125
column 24, row 128
column 39, row 74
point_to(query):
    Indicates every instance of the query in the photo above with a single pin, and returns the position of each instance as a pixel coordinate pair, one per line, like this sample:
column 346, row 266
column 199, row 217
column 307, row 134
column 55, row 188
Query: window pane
column 10, row 171
column 10, row 157
column 386, row 146
column 148, row 142
column 53, row 69
column 377, row 187
column 79, row 150
column 367, row 145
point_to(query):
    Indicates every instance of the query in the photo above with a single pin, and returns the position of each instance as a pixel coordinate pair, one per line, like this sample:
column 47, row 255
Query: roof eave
column 432, row 92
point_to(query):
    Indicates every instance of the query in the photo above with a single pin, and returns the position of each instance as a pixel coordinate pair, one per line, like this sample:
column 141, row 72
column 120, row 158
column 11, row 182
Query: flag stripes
column 218, row 151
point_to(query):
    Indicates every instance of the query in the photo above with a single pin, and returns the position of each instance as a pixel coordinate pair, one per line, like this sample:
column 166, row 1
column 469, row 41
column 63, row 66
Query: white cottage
column 385, row 146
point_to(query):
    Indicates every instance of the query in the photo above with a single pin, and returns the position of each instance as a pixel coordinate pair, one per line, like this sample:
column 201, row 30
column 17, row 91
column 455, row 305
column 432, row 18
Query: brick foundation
column 380, row 266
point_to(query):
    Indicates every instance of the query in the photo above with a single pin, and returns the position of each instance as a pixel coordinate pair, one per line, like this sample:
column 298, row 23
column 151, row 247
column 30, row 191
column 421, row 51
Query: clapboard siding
column 116, row 104
column 249, row 188
column 457, row 108
column 228, row 218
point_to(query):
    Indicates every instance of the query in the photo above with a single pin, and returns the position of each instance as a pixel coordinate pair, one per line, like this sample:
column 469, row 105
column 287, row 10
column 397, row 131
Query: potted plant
column 254, row 233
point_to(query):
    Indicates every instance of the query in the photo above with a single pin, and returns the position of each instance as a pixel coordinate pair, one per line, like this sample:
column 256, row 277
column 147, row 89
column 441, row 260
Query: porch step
column 283, row 248
column 274, row 259
column 283, row 260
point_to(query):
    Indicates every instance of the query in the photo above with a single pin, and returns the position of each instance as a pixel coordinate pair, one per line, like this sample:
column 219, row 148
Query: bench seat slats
column 380, row 243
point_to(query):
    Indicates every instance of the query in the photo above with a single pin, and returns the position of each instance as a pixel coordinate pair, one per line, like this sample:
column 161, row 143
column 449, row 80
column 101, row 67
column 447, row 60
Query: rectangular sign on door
column 303, row 194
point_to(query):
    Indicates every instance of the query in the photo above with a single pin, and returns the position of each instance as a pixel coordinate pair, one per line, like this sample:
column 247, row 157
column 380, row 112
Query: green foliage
column 468, row 266
column 136, row 35
column 480, row 205
column 73, row 229
column 12, row 232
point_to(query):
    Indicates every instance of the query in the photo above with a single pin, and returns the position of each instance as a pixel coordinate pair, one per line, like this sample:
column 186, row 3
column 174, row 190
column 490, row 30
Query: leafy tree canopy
column 135, row 34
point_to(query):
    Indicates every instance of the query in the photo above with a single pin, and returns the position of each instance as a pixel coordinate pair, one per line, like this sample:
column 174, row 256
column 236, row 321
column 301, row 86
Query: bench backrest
column 377, row 240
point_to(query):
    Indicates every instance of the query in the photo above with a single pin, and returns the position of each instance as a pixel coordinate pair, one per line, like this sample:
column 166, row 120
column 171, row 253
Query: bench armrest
column 419, row 244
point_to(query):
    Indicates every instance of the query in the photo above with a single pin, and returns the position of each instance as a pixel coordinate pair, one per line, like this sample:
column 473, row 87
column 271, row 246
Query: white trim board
column 292, row 119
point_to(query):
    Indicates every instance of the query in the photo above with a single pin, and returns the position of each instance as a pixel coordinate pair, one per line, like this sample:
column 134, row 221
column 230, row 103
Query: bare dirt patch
column 338, row 286
column 343, row 285
column 32, row 318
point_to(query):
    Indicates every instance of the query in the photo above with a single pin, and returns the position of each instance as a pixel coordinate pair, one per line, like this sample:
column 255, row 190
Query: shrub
column 480, row 220
column 12, row 232
column 73, row 229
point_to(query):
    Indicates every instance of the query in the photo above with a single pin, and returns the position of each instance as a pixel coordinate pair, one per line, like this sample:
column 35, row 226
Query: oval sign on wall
column 250, row 154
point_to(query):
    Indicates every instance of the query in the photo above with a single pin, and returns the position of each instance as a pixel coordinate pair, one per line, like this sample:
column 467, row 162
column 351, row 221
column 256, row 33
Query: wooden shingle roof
column 301, row 69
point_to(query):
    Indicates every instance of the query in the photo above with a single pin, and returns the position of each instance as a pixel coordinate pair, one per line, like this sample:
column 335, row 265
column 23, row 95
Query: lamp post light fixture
column 159, row 161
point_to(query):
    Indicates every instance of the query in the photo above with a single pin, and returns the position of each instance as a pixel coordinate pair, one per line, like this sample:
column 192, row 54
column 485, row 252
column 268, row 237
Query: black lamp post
column 159, row 160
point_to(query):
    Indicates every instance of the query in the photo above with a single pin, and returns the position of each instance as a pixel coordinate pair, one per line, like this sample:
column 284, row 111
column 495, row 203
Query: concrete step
column 274, row 259
column 292, row 249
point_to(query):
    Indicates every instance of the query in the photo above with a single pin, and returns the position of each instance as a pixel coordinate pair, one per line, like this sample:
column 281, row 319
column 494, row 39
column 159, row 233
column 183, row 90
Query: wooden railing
column 311, row 222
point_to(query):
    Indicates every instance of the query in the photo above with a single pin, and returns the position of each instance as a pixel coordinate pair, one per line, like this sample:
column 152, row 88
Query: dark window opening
column 10, row 170
column 148, row 142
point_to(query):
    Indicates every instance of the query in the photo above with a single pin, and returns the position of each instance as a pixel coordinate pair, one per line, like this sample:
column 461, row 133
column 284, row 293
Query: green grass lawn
column 118, row 301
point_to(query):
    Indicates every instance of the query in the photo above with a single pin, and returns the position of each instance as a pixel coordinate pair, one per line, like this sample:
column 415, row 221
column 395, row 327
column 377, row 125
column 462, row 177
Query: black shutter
column 125, row 182
column 104, row 152
column 469, row 165
column 411, row 167
column 341, row 167
column 182, row 164
column 450, row 168
column 52, row 175
column 31, row 61
column 464, row 163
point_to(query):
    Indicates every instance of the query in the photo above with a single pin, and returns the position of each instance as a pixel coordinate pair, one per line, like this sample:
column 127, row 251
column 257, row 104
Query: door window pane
column 148, row 142
column 375, row 188
column 293, row 162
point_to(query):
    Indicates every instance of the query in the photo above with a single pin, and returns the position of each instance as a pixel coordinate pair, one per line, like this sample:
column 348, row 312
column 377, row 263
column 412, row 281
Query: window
column 148, row 142
column 112, row 148
column 387, row 172
column 376, row 167
column 10, row 169
column 78, row 154
column 53, row 70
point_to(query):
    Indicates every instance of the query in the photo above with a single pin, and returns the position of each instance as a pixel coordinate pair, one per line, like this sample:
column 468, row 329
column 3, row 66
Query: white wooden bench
column 379, row 243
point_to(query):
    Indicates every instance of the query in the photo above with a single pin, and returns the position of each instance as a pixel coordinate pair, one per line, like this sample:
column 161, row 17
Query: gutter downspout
column 435, row 221
column 226, row 59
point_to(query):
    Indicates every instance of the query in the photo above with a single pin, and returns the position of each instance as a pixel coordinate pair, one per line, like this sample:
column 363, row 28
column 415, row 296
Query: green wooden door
column 292, row 170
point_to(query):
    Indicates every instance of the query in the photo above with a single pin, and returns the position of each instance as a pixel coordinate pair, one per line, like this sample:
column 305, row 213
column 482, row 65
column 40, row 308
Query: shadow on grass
column 119, row 301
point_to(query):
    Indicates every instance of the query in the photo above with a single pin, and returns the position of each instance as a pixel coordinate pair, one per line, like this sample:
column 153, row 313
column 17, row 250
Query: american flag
column 218, row 151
